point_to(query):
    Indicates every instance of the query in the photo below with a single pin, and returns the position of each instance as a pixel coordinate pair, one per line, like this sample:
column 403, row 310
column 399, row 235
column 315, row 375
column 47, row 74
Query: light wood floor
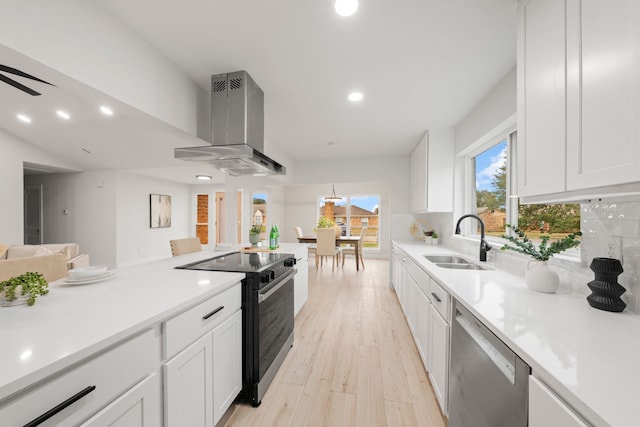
column 353, row 361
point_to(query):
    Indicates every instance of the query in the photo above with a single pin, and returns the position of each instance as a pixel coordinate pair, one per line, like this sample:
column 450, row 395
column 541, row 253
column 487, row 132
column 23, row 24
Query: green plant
column 544, row 251
column 30, row 283
column 434, row 235
column 324, row 222
column 255, row 229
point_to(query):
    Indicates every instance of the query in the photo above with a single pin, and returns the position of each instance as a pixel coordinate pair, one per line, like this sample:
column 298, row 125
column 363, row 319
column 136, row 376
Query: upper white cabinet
column 578, row 98
column 431, row 167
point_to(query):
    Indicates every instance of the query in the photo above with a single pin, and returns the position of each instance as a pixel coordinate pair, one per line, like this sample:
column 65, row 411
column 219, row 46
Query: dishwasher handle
column 478, row 334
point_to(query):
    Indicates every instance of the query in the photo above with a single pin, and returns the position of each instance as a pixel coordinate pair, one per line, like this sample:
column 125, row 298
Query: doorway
column 33, row 222
column 220, row 216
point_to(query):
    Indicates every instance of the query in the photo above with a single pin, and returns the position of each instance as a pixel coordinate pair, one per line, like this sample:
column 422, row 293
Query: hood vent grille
column 237, row 129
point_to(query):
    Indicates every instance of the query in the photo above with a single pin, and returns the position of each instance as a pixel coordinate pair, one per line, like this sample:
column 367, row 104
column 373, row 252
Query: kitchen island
column 120, row 325
column 587, row 357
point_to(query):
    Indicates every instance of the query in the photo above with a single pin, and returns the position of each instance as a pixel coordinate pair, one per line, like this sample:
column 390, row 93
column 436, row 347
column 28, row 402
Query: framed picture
column 160, row 208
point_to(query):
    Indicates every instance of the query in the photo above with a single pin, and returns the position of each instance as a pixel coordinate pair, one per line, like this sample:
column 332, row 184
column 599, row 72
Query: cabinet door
column 227, row 364
column 411, row 296
column 418, row 170
column 138, row 407
column 541, row 97
column 439, row 357
column 547, row 410
column 603, row 116
column 301, row 283
column 188, row 387
column 423, row 307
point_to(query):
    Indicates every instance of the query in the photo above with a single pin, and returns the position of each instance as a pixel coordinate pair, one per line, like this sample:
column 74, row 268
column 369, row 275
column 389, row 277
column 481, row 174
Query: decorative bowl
column 90, row 272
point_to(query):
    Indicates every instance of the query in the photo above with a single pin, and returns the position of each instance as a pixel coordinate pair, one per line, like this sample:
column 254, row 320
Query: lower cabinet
column 439, row 331
column 301, row 280
column 546, row 409
column 227, row 364
column 202, row 381
column 188, row 385
column 421, row 334
column 138, row 407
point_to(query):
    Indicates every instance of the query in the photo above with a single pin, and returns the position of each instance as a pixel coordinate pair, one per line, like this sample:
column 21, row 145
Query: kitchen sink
column 461, row 266
column 447, row 259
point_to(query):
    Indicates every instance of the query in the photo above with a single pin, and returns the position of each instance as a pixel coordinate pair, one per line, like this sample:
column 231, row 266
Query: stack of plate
column 86, row 275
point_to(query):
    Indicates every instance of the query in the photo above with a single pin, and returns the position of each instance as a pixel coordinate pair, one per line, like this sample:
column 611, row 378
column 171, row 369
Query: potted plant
column 254, row 234
column 434, row 237
column 24, row 288
column 324, row 222
column 539, row 277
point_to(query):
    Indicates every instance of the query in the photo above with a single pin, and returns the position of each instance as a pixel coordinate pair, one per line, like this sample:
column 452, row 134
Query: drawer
column 186, row 327
column 419, row 276
column 440, row 299
column 91, row 385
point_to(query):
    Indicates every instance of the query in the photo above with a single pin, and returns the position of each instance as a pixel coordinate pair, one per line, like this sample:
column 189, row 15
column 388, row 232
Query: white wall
column 136, row 241
column 14, row 153
column 88, row 44
column 493, row 109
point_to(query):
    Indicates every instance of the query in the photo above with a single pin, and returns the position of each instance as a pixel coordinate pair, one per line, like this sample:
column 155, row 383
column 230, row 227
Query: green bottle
column 272, row 238
column 277, row 235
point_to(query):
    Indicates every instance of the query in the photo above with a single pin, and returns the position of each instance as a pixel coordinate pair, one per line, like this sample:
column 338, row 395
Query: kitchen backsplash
column 609, row 230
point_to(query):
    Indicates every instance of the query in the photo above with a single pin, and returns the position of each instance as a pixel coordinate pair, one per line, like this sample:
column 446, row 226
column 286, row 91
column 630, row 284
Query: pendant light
column 333, row 196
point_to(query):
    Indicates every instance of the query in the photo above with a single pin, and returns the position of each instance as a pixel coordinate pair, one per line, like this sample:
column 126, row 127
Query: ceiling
column 419, row 63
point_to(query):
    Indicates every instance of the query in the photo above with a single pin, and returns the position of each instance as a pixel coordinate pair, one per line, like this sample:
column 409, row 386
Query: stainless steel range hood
column 237, row 129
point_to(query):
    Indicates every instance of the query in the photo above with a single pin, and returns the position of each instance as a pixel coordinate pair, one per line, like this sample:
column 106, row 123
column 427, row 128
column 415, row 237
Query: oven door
column 275, row 322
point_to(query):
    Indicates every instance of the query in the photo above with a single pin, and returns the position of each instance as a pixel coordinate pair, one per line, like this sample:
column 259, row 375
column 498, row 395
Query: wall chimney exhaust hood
column 237, row 129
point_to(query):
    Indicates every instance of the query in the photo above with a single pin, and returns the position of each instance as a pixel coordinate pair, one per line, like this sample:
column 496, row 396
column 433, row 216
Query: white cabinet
column 431, row 167
column 411, row 289
column 541, row 97
column 578, row 99
column 439, row 330
column 76, row 394
column 421, row 334
column 188, row 386
column 138, row 407
column 227, row 364
column 203, row 378
column 301, row 279
column 548, row 410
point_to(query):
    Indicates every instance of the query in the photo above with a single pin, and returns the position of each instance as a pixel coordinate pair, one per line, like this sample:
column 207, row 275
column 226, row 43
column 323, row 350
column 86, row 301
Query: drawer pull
column 436, row 296
column 206, row 316
column 51, row 412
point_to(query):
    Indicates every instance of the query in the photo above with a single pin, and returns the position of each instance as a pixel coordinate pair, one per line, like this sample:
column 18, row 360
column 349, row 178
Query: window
column 259, row 212
column 202, row 218
column 494, row 177
column 352, row 213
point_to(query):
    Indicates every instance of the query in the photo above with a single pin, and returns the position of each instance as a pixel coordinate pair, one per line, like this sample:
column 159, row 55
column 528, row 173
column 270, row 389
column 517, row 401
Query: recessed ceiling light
column 106, row 111
column 346, row 7
column 24, row 118
column 355, row 96
column 203, row 177
column 63, row 115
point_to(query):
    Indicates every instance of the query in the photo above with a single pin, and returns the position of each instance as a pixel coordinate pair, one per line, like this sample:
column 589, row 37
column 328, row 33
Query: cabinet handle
column 53, row 411
column 436, row 296
column 206, row 316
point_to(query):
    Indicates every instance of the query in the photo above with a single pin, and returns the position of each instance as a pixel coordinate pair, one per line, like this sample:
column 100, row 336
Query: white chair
column 327, row 246
column 312, row 247
column 350, row 250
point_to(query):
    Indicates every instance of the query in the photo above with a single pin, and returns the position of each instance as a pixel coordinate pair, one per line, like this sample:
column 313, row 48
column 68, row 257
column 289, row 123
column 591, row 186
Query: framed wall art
column 160, row 208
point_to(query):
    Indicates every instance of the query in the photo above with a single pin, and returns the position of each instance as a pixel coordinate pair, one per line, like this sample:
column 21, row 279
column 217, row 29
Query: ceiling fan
column 20, row 86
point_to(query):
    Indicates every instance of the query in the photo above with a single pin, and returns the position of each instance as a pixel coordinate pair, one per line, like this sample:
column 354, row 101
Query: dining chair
column 311, row 249
column 350, row 250
column 185, row 246
column 327, row 246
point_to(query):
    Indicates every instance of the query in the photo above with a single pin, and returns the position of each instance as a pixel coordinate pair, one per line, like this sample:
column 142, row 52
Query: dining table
column 342, row 240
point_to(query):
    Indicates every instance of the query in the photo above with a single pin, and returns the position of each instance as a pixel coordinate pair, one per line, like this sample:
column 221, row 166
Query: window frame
column 347, row 215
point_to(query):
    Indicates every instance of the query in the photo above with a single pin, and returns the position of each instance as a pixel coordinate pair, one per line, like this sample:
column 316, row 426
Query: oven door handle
column 264, row 296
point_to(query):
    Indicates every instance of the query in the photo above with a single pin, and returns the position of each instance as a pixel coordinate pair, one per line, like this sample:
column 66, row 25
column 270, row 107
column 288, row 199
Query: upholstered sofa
column 52, row 260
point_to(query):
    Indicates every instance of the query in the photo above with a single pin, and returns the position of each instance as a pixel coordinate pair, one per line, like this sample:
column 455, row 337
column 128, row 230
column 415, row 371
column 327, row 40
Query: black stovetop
column 238, row 262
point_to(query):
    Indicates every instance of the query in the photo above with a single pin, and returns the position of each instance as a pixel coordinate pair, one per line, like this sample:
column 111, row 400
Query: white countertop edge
column 594, row 410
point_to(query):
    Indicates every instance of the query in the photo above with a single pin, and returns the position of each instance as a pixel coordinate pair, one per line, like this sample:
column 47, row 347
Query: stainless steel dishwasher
column 487, row 381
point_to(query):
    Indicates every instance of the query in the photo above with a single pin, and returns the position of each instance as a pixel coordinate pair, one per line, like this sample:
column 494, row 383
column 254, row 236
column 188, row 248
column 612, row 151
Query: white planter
column 541, row 278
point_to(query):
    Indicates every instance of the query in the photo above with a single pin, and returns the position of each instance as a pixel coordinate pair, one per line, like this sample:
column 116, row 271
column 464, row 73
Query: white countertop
column 72, row 322
column 586, row 355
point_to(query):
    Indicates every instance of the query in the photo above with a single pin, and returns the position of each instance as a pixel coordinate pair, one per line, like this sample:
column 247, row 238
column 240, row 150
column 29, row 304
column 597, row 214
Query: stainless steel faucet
column 484, row 246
